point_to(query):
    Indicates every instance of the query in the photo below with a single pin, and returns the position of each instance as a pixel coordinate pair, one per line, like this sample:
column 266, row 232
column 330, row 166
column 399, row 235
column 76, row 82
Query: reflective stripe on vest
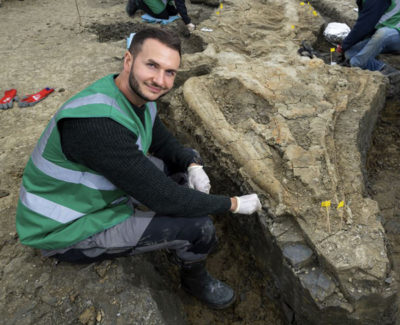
column 88, row 179
column 48, row 208
column 391, row 12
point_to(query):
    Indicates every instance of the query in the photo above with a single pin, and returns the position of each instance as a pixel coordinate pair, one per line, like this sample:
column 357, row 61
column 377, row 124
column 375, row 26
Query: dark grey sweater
column 110, row 149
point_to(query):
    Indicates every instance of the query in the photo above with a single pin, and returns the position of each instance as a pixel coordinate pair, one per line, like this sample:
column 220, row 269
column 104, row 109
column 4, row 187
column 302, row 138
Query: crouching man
column 97, row 184
column 376, row 31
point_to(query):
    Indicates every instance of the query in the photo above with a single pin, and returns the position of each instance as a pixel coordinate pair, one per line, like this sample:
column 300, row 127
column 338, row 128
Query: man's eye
column 151, row 65
column 171, row 73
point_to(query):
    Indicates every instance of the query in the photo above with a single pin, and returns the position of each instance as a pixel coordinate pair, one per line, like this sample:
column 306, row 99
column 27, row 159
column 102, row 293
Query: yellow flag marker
column 333, row 50
column 292, row 27
column 315, row 13
column 302, row 3
column 327, row 204
column 217, row 12
column 340, row 205
column 221, row 5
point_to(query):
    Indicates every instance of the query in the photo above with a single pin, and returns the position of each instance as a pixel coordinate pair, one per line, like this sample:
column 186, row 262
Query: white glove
column 198, row 179
column 247, row 204
column 191, row 27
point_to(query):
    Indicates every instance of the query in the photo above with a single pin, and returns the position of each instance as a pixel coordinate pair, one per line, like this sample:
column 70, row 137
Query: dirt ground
column 48, row 43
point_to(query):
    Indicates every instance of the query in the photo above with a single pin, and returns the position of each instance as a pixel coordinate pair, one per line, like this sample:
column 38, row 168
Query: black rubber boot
column 199, row 283
column 392, row 73
column 131, row 7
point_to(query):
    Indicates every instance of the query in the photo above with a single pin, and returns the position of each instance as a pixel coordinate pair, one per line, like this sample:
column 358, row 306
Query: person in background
column 162, row 9
column 375, row 31
column 108, row 179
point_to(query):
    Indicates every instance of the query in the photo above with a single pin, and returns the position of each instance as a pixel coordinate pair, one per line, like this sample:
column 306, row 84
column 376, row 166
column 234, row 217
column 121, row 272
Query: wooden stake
column 79, row 15
column 328, row 221
column 327, row 205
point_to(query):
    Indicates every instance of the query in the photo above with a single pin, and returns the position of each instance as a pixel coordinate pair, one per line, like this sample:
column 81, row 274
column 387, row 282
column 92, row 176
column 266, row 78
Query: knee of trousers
column 202, row 238
column 381, row 33
column 204, row 233
column 355, row 62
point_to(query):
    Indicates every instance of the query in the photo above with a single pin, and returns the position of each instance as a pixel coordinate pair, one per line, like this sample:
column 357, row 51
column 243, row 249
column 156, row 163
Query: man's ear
column 128, row 61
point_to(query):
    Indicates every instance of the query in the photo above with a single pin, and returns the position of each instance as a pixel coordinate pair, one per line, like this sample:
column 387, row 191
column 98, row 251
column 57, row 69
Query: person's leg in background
column 355, row 49
column 131, row 7
column 364, row 53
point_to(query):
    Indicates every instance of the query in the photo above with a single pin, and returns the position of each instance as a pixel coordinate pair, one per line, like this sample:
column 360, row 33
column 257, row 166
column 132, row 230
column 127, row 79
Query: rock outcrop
column 298, row 131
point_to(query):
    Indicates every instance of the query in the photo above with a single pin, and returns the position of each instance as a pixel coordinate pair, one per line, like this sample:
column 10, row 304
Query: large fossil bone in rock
column 298, row 130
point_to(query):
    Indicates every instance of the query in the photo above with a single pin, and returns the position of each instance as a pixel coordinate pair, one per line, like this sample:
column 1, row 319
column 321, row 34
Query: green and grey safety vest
column 391, row 18
column 157, row 6
column 62, row 202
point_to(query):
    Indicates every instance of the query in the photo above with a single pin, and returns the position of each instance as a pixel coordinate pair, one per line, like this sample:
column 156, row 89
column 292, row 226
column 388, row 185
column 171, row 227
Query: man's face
column 153, row 70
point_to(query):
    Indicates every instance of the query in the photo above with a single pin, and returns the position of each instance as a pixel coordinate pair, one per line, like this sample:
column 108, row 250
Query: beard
column 134, row 85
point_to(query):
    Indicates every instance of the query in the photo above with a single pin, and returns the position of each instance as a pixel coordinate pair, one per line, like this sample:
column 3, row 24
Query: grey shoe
column 390, row 72
column 199, row 283
column 131, row 7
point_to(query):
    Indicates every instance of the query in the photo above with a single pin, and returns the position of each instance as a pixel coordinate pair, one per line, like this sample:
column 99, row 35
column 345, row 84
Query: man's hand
column 246, row 204
column 198, row 178
column 191, row 27
column 339, row 49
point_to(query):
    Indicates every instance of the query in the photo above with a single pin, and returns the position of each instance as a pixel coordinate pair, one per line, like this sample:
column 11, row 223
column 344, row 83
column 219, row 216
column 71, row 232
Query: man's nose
column 159, row 79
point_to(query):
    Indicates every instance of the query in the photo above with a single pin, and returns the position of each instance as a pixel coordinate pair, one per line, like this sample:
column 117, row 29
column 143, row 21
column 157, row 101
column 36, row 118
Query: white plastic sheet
column 335, row 33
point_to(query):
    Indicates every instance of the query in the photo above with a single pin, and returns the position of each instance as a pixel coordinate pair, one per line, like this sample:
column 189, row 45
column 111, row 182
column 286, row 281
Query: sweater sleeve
column 368, row 16
column 110, row 149
column 181, row 8
column 166, row 147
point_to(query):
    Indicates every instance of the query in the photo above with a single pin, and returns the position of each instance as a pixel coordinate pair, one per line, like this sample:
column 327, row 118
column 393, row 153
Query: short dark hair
column 165, row 36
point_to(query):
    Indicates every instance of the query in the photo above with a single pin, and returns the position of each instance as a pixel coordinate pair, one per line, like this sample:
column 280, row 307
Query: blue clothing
column 369, row 13
column 362, row 54
column 150, row 19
